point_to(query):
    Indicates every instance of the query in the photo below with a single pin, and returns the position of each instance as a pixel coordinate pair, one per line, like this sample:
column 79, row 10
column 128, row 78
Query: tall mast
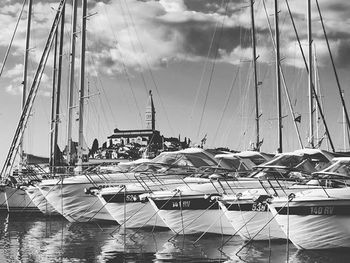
column 58, row 89
column 25, row 71
column 53, row 99
column 317, row 94
column 309, row 37
column 81, row 86
column 257, row 145
column 71, row 82
column 278, row 80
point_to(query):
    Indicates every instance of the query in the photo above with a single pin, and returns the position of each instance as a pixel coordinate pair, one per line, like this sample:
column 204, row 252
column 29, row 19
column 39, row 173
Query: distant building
column 148, row 139
column 147, row 142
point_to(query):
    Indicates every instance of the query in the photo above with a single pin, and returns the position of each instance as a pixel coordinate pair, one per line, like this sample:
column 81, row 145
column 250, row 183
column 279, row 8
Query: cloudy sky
column 195, row 55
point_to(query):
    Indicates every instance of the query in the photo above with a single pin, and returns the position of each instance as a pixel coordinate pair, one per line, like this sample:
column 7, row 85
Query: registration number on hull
column 259, row 207
column 321, row 210
column 183, row 204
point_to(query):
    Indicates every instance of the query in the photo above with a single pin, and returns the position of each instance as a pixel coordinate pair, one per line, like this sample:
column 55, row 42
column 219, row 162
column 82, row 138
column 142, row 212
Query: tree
column 94, row 147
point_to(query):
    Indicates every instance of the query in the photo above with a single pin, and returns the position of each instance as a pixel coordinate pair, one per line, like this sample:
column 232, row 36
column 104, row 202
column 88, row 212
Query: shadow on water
column 36, row 238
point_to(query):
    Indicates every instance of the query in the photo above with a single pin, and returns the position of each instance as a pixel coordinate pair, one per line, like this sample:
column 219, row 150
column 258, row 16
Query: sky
column 195, row 56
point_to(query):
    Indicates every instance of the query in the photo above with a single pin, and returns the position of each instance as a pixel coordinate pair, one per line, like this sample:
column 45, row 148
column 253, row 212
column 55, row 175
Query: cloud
column 14, row 90
column 135, row 34
column 16, row 71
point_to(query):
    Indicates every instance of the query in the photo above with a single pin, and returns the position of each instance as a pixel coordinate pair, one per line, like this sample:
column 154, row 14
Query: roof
column 243, row 154
column 309, row 151
column 132, row 133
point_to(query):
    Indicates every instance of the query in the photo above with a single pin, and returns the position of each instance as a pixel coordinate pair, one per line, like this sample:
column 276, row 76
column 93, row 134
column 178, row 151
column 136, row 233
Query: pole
column 58, row 90
column 257, row 145
column 81, row 86
column 71, row 82
column 53, row 99
column 310, row 83
column 25, row 72
column 278, row 80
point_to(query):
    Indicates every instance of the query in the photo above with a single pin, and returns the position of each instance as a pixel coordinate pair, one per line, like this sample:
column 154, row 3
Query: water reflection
column 35, row 238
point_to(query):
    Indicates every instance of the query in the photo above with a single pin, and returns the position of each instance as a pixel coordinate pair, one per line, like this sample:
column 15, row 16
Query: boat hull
column 315, row 224
column 40, row 201
column 132, row 213
column 71, row 201
column 184, row 221
column 16, row 200
column 250, row 224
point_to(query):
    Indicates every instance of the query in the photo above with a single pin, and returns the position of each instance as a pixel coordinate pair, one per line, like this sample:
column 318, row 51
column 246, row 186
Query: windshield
column 339, row 167
column 256, row 159
column 290, row 166
column 197, row 159
column 175, row 162
column 233, row 164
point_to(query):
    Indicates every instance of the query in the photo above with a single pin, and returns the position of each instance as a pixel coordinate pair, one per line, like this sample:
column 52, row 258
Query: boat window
column 200, row 160
column 234, row 164
column 257, row 159
column 342, row 167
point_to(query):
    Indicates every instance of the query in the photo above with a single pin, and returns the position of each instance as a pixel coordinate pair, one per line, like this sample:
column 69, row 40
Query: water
column 36, row 238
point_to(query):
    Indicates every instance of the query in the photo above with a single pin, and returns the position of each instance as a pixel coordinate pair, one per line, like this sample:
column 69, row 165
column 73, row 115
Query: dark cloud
column 228, row 7
column 343, row 53
column 198, row 36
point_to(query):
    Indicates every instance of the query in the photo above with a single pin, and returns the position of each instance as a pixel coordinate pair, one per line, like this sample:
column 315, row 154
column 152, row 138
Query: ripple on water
column 36, row 238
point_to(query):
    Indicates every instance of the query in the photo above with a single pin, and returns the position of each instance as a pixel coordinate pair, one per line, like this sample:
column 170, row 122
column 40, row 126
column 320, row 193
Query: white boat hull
column 257, row 225
column 187, row 222
column 71, row 201
column 16, row 200
column 322, row 223
column 40, row 201
column 133, row 215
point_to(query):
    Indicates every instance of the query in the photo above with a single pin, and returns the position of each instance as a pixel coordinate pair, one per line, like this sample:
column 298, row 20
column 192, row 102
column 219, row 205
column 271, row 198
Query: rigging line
column 283, row 80
column 333, row 66
column 248, row 85
column 107, row 123
column 206, row 97
column 124, row 69
column 211, row 74
column 138, row 62
column 150, row 71
column 295, row 31
column 128, row 26
column 226, row 104
column 204, row 70
column 12, row 38
column 314, row 92
column 103, row 91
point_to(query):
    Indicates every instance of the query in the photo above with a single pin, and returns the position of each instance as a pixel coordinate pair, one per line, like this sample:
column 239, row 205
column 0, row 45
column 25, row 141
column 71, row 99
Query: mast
column 25, row 71
column 53, row 99
column 257, row 145
column 71, row 82
column 311, row 106
column 58, row 90
column 278, row 80
column 317, row 94
column 81, row 86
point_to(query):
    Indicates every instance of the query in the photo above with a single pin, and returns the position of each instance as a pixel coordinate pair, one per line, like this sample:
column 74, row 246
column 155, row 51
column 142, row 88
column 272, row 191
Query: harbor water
column 30, row 237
